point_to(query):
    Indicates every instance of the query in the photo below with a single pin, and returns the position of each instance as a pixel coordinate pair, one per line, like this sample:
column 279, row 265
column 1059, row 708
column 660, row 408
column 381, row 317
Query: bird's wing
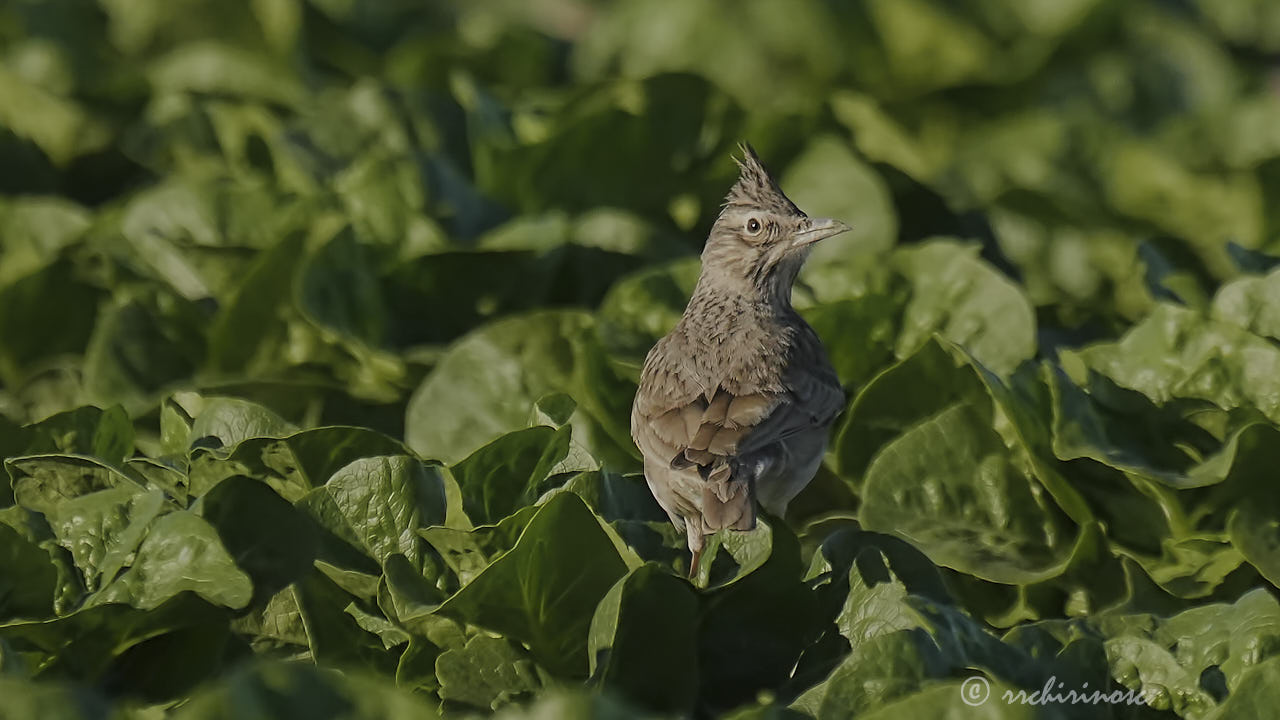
column 711, row 449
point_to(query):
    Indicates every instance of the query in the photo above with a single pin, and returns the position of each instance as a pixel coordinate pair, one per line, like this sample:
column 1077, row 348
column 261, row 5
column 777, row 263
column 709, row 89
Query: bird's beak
column 815, row 229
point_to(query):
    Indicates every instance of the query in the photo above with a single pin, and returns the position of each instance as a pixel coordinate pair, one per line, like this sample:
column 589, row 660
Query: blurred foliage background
column 445, row 221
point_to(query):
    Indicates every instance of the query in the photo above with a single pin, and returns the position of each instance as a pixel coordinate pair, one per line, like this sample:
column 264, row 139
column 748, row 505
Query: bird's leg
column 693, row 528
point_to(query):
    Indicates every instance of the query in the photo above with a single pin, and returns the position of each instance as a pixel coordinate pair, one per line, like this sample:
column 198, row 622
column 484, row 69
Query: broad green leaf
column 1126, row 431
column 488, row 673
column 92, row 641
column 377, row 504
column 487, row 383
column 643, row 307
column 232, row 421
column 337, row 289
column 1077, row 268
column 180, row 552
column 748, row 61
column 1255, row 695
column 255, row 312
column 1205, row 208
column 140, row 347
column 1251, row 303
column 103, row 529
column 927, row 47
column 468, row 552
column 1176, row 353
column 754, row 629
column 898, row 398
column 879, row 670
column 952, row 487
column 269, row 539
column 50, row 311
column 959, row 296
column 1155, row 670
column 36, row 229
column 542, row 592
column 43, row 482
column 841, row 550
column 828, row 180
column 643, row 641
column 28, row 577
column 59, row 126
column 334, row 635
column 506, row 474
column 1196, row 565
column 105, row 434
column 275, row 626
column 292, row 465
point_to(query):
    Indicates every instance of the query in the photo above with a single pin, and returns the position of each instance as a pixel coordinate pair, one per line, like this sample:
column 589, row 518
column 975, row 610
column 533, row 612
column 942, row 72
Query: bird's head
column 761, row 238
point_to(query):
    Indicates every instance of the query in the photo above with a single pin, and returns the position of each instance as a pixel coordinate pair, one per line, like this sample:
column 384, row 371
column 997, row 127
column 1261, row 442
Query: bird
column 734, row 404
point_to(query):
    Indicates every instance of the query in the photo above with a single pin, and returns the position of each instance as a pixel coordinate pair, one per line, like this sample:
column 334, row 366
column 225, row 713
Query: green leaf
column 51, row 311
column 232, row 421
column 754, row 629
column 1256, row 694
column 142, row 346
column 103, row 529
column 1176, row 353
column 105, row 434
column 506, row 474
column 487, row 383
column 643, row 641
column 29, row 579
column 644, row 306
column 376, row 504
column 334, row 635
column 337, row 289
column 292, row 465
column 248, row 334
column 881, row 669
column 59, row 126
column 950, row 486
column 543, row 591
column 828, row 180
column 468, row 552
column 923, row 384
column 488, row 673
column 181, row 552
column 1126, row 431
column 36, row 229
column 1251, row 303
column 959, row 296
column 273, row 542
column 43, row 482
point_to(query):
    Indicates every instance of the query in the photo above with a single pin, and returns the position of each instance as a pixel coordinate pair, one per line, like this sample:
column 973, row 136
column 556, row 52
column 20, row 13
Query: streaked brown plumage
column 735, row 402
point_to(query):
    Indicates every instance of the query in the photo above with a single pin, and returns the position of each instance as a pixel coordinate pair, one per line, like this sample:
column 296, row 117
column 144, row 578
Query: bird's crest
column 756, row 188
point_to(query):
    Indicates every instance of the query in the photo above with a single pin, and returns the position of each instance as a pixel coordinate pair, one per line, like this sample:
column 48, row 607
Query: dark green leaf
column 544, row 590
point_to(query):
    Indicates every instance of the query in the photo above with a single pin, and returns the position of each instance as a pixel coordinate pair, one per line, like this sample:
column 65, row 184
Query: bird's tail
column 727, row 503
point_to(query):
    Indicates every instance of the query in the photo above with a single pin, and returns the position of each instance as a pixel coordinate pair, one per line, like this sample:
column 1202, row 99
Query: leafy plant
column 320, row 323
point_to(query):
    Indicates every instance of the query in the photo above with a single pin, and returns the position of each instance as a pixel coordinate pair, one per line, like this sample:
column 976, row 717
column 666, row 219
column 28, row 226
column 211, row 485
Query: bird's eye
column 753, row 226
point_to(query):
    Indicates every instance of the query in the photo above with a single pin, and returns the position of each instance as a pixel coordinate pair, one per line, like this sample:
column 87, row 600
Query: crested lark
column 735, row 402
